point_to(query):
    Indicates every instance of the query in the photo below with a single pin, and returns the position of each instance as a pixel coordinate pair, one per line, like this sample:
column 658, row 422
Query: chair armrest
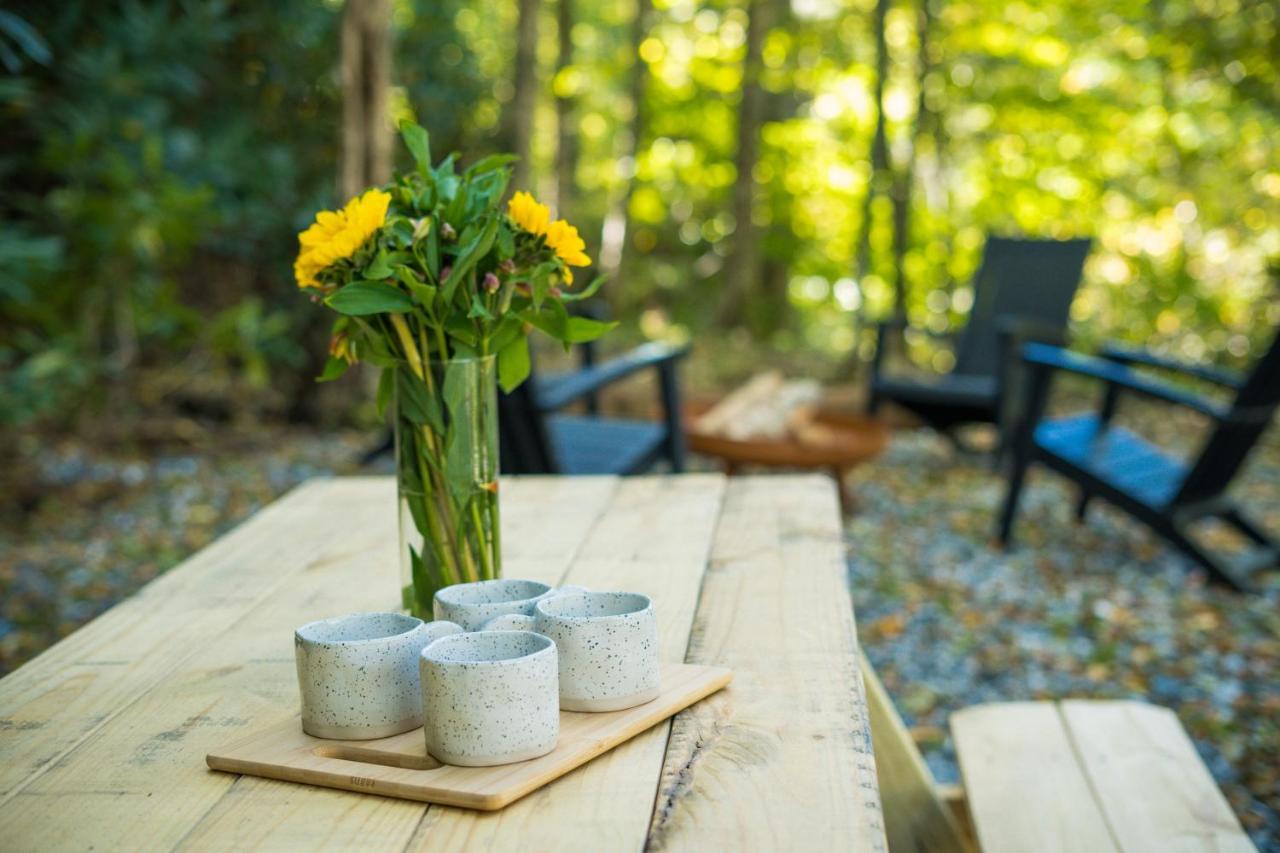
column 1129, row 355
column 587, row 381
column 1118, row 376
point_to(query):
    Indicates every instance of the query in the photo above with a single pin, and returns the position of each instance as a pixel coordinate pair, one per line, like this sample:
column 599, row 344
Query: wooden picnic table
column 103, row 737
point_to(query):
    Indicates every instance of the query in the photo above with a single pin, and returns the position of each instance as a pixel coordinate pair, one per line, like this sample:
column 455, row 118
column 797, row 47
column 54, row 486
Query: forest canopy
column 782, row 171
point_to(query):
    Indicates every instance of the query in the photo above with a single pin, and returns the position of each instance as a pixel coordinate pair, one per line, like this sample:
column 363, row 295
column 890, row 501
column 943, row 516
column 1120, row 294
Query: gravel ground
column 1099, row 610
column 107, row 523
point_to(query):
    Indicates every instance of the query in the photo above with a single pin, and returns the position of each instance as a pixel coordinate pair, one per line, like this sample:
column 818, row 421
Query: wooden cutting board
column 399, row 766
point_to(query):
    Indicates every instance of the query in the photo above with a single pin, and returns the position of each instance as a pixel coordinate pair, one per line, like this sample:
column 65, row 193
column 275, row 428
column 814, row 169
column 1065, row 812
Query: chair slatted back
column 525, row 447
column 1030, row 279
column 1229, row 444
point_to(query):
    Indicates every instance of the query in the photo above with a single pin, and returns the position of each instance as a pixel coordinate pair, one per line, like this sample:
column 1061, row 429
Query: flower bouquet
column 439, row 284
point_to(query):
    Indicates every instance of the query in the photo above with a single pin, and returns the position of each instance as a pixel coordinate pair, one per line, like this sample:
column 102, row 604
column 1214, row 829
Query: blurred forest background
column 756, row 175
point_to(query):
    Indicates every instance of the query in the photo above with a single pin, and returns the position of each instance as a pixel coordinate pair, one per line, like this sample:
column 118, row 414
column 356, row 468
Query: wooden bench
column 1075, row 775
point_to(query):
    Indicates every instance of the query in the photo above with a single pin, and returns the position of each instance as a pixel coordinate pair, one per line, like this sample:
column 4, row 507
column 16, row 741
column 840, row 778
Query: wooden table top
column 103, row 737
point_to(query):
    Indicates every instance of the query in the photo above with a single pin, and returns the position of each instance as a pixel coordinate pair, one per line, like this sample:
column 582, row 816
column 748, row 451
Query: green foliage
column 158, row 160
column 154, row 173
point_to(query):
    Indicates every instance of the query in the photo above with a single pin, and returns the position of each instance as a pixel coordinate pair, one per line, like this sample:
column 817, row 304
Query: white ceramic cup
column 490, row 698
column 472, row 604
column 608, row 645
column 358, row 673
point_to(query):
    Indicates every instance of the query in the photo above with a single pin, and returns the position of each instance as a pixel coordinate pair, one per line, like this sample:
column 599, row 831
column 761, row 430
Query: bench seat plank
column 1150, row 783
column 1025, row 786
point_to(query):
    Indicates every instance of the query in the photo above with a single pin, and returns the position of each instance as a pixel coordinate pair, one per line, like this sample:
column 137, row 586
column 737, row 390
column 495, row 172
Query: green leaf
column 513, row 364
column 386, row 386
column 419, row 144
column 378, row 268
column 478, row 311
column 423, row 294
column 367, row 297
column 415, row 403
column 505, row 332
column 459, row 459
column 579, row 330
column 470, row 256
column 333, row 368
column 553, row 320
column 456, row 381
column 433, row 250
column 490, row 163
column 585, row 293
column 458, row 326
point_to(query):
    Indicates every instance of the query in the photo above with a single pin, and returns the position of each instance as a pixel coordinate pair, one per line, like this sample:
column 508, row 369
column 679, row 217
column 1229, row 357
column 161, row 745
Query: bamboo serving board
column 399, row 766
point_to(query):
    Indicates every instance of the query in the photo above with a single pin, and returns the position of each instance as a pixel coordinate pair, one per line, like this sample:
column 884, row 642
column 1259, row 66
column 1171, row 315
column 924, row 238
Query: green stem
column 449, row 567
column 446, row 543
column 481, row 541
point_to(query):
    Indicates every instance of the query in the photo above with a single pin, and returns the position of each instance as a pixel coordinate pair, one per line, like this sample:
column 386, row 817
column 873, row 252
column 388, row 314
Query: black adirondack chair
column 1165, row 493
column 537, row 439
column 1022, row 292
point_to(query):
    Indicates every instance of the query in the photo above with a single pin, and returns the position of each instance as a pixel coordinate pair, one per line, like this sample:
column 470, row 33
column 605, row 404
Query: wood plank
column 781, row 759
column 654, row 539
column 544, row 523
column 52, row 703
column 1154, row 789
column 1025, row 786
column 152, row 750
column 399, row 766
column 915, row 815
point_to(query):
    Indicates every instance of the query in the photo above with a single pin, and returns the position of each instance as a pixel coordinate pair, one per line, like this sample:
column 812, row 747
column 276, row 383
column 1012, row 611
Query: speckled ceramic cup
column 608, row 645
column 359, row 673
column 490, row 698
column 473, row 604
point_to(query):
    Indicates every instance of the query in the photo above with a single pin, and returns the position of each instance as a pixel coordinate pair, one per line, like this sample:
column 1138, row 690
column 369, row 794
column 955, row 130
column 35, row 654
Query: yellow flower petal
column 568, row 246
column 528, row 214
column 336, row 235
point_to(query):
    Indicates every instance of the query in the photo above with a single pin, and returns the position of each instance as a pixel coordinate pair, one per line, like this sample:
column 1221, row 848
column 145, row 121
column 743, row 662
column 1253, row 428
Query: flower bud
column 444, row 273
column 491, row 282
column 447, row 232
column 507, row 267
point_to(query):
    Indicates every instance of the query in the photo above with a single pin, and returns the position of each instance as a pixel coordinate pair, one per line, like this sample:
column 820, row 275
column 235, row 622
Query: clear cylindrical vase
column 446, row 445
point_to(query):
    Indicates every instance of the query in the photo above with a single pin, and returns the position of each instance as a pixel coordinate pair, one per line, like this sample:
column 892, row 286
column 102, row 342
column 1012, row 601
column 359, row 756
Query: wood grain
column 1149, row 781
column 780, row 760
column 544, row 523
column 334, row 554
column 915, row 815
column 1025, row 786
column 399, row 766
column 655, row 538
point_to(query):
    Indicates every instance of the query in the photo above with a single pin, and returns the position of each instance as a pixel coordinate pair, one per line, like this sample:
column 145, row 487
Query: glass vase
column 446, row 446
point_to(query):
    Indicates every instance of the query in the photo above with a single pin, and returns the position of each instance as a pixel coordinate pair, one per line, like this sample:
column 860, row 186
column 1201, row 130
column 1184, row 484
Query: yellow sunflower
column 568, row 246
column 528, row 214
column 339, row 234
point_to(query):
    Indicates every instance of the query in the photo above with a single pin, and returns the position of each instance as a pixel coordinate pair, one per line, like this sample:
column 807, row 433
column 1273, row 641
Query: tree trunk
column 740, row 270
column 875, row 182
column 525, row 98
column 366, row 82
column 879, row 143
column 566, row 143
column 613, row 235
column 905, row 173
